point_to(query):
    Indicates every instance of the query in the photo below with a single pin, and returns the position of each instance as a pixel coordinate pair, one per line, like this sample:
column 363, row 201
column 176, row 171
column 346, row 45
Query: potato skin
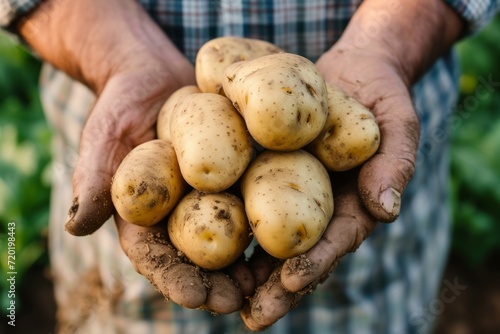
column 163, row 121
column 211, row 141
column 217, row 54
column 350, row 136
column 147, row 184
column 282, row 98
column 210, row 229
column 288, row 200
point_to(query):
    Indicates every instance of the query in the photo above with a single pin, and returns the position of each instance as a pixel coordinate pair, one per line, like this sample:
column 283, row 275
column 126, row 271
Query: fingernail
column 390, row 199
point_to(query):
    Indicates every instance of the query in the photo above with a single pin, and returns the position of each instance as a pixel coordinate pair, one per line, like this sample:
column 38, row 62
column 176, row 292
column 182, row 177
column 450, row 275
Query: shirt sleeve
column 477, row 13
column 10, row 10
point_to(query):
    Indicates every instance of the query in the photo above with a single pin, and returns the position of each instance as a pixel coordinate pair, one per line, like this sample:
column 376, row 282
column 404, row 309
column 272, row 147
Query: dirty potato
column 288, row 200
column 211, row 141
column 217, row 54
column 282, row 98
column 147, row 184
column 163, row 121
column 350, row 136
column 210, row 229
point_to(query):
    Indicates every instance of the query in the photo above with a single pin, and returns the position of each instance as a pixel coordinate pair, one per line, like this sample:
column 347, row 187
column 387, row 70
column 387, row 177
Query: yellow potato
column 211, row 141
column 217, row 54
column 147, row 184
column 163, row 121
column 288, row 200
column 350, row 136
column 210, row 229
column 282, row 98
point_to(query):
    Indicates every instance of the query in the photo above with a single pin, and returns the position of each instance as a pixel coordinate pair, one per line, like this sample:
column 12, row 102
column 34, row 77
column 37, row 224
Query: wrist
column 408, row 35
column 94, row 40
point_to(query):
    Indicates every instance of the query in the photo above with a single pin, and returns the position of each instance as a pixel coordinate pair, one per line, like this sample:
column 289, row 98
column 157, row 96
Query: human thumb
column 92, row 204
column 112, row 129
column 383, row 178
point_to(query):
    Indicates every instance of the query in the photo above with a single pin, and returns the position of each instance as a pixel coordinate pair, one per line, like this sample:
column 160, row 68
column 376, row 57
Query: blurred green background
column 25, row 160
column 475, row 165
column 24, row 164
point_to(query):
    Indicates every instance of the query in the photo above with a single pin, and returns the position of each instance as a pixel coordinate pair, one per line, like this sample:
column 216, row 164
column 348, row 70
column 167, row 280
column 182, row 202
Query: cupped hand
column 374, row 62
column 362, row 196
column 117, row 50
column 123, row 117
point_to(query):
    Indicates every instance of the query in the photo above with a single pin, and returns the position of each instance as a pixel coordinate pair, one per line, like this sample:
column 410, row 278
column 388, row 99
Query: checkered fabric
column 476, row 12
column 12, row 9
column 389, row 285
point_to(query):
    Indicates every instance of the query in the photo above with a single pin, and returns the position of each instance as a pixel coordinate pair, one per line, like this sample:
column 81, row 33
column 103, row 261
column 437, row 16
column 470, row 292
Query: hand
column 123, row 117
column 361, row 196
column 133, row 68
column 378, row 72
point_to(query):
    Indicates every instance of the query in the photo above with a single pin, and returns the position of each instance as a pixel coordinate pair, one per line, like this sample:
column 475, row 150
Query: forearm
column 410, row 33
column 93, row 39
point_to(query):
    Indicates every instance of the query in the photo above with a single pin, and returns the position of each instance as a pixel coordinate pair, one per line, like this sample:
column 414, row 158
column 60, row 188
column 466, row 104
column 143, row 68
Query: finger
column 249, row 321
column 223, row 296
column 269, row 304
column 383, row 178
column 91, row 207
column 98, row 158
column 168, row 270
column 153, row 257
column 350, row 225
column 92, row 204
column 242, row 275
column 262, row 265
column 118, row 122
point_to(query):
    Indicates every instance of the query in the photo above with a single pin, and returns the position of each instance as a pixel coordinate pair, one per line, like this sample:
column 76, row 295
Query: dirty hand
column 117, row 51
column 377, row 69
column 361, row 197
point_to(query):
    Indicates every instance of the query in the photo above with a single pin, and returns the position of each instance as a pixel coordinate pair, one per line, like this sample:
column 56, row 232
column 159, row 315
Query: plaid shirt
column 390, row 285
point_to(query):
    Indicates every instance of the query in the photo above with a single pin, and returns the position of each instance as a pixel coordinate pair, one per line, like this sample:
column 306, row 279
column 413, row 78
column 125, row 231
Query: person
column 109, row 66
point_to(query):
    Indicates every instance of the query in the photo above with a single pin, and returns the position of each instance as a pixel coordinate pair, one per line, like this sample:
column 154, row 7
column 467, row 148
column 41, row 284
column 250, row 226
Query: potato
column 288, row 200
column 148, row 183
column 211, row 141
column 163, row 121
column 210, row 229
column 217, row 54
column 350, row 136
column 282, row 98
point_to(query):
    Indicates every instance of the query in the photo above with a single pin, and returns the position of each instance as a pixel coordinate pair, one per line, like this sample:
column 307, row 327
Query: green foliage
column 475, row 182
column 24, row 162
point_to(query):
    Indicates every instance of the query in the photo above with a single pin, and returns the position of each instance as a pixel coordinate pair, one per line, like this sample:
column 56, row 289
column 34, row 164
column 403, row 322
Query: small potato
column 211, row 141
column 217, row 54
column 350, row 136
column 148, row 183
column 282, row 98
column 210, row 229
column 163, row 121
column 288, row 200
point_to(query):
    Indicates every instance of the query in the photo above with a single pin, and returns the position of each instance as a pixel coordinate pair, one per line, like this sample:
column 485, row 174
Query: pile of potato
column 245, row 153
